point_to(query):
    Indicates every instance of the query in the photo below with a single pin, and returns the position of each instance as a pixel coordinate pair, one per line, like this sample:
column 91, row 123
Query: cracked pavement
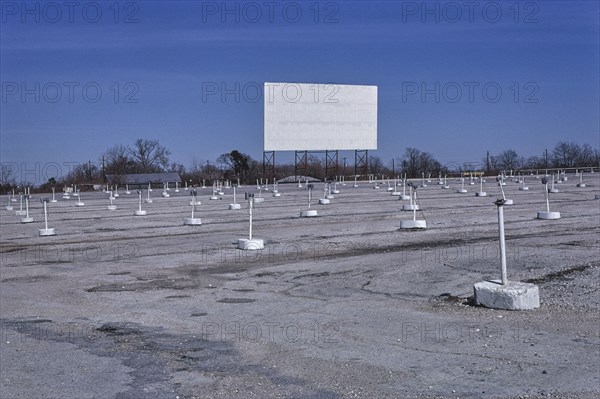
column 343, row 305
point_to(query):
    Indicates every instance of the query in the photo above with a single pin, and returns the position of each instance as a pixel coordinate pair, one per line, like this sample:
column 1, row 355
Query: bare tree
column 569, row 155
column 586, row 156
column 149, row 156
column 508, row 160
column 416, row 162
column 254, row 170
column 193, row 174
column 7, row 178
column 410, row 162
column 535, row 162
column 177, row 168
column 565, row 154
column 315, row 167
column 375, row 165
column 117, row 161
column 77, row 175
column 211, row 171
column 196, row 166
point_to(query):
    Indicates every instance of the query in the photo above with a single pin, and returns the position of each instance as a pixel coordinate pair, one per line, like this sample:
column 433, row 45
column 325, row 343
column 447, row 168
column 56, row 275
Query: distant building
column 143, row 179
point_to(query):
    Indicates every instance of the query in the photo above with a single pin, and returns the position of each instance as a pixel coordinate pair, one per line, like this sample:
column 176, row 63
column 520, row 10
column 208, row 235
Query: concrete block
column 254, row 244
column 512, row 296
column 411, row 207
column 548, row 215
column 310, row 213
column 413, row 224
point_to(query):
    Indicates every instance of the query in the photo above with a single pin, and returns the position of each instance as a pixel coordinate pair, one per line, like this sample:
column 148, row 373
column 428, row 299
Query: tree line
column 149, row 156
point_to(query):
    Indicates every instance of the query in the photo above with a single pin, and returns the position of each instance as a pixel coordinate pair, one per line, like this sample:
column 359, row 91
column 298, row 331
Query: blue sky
column 151, row 60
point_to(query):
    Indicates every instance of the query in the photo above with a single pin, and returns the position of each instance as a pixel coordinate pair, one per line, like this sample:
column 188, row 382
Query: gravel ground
column 344, row 305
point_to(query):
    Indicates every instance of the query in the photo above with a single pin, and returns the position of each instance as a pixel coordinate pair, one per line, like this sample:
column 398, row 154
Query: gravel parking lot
column 340, row 306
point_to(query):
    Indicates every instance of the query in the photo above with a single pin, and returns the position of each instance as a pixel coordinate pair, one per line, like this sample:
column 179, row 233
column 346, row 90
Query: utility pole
column 487, row 163
column 546, row 158
column 103, row 171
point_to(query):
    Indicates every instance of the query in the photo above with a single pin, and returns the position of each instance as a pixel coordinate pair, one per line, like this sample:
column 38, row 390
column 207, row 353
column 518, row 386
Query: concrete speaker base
column 47, row 232
column 481, row 194
column 139, row 213
column 311, row 213
column 413, row 224
column 548, row 215
column 512, row 296
column 254, row 244
column 235, row 207
column 27, row 220
column 324, row 201
column 192, row 221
